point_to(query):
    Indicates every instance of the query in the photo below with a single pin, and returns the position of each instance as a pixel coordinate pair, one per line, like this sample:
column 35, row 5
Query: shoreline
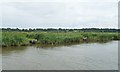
column 55, row 45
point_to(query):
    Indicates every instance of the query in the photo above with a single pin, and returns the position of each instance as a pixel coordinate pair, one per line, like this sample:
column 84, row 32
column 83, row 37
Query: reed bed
column 54, row 38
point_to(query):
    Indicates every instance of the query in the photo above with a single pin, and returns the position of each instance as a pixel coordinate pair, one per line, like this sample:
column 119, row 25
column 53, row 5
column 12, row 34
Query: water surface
column 93, row 56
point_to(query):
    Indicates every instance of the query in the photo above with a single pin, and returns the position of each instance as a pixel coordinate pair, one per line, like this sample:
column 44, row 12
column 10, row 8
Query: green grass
column 23, row 38
column 14, row 39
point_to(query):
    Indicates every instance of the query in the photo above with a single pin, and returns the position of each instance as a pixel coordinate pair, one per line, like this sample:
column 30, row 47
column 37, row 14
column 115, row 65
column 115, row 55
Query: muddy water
column 93, row 56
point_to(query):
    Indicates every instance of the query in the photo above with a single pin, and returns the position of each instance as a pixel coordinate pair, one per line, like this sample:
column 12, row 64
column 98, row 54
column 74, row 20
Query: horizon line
column 57, row 28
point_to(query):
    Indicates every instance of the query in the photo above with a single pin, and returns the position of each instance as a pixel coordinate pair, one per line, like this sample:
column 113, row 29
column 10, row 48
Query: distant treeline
column 63, row 30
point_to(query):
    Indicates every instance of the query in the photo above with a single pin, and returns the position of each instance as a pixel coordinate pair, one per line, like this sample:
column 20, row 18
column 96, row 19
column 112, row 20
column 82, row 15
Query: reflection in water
column 93, row 56
column 9, row 50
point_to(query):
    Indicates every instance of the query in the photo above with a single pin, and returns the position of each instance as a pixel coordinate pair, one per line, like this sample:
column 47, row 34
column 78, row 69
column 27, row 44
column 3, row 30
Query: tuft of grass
column 14, row 39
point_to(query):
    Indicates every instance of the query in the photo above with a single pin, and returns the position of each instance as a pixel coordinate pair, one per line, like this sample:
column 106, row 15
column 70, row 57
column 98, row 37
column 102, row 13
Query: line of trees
column 63, row 30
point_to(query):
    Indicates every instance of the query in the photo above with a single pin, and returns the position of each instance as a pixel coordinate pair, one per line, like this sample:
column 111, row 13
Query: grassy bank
column 54, row 38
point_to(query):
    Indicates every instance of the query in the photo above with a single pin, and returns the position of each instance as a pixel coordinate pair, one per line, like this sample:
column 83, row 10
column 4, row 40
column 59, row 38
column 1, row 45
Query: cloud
column 60, row 14
column 59, row 0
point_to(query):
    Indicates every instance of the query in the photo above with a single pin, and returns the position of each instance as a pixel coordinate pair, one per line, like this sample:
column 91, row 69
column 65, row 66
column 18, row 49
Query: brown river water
column 87, row 56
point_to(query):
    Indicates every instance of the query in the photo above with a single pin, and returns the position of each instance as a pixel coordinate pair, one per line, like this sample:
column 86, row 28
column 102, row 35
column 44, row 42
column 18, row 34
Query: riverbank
column 55, row 38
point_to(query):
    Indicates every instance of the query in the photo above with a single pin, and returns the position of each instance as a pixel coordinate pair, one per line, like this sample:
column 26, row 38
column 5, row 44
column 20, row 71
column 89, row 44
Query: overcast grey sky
column 60, row 14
